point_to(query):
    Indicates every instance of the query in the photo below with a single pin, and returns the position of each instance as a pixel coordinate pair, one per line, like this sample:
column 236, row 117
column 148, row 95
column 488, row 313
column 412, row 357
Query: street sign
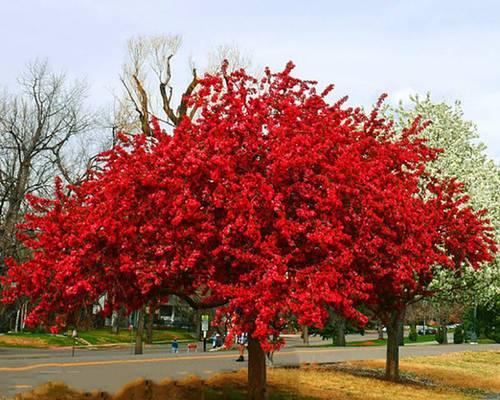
column 204, row 328
column 204, row 323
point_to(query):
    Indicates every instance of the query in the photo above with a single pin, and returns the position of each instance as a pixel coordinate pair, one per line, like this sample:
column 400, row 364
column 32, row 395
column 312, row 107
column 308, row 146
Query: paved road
column 110, row 369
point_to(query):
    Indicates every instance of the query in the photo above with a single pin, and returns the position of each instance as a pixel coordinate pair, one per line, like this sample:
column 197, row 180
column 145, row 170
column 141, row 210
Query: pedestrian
column 242, row 341
column 218, row 340
column 213, row 338
column 175, row 346
column 270, row 353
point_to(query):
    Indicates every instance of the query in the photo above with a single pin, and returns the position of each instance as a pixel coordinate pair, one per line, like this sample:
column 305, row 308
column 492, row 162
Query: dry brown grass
column 322, row 384
column 21, row 341
column 189, row 389
column 284, row 384
column 450, row 374
column 304, row 383
column 468, row 370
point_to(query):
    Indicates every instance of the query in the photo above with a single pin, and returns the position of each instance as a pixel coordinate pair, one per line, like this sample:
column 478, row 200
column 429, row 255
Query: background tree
column 335, row 329
column 40, row 129
column 420, row 312
column 149, row 81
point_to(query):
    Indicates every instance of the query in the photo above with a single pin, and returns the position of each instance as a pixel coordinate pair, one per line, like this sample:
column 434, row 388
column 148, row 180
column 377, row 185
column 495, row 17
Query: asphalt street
column 110, row 369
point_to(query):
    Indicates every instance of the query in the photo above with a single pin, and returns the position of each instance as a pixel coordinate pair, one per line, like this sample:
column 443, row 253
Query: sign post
column 204, row 328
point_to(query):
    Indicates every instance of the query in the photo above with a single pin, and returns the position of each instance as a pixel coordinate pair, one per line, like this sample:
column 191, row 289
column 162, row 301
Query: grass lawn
column 94, row 337
column 457, row 376
column 474, row 371
column 486, row 341
column 28, row 339
column 379, row 342
column 104, row 336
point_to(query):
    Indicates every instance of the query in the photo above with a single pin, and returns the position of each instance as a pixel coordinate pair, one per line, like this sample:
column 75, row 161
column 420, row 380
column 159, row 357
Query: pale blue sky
column 451, row 48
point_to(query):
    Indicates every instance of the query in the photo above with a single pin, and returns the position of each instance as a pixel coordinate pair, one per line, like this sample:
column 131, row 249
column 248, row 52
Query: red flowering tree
column 422, row 225
column 353, row 210
column 272, row 202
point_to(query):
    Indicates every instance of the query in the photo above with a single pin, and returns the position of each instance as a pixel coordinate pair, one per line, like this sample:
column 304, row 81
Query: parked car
column 428, row 331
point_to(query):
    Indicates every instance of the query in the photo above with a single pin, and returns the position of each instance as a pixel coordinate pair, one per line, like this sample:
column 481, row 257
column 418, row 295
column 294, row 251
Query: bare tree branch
column 36, row 125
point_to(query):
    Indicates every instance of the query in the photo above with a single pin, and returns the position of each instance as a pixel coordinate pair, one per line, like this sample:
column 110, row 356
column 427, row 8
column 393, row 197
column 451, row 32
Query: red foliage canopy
column 272, row 201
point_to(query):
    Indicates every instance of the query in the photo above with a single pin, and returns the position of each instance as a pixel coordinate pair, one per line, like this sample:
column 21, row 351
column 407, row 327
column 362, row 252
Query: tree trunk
column 115, row 322
column 392, row 359
column 197, row 323
column 340, row 334
column 445, row 334
column 380, row 329
column 24, row 314
column 401, row 332
column 18, row 313
column 413, row 328
column 149, row 326
column 139, row 331
column 257, row 385
column 444, row 327
column 305, row 334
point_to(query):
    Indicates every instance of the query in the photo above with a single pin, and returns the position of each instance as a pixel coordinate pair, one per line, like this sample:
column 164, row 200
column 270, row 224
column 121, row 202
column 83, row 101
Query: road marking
column 22, row 386
column 31, row 355
column 108, row 362
column 162, row 359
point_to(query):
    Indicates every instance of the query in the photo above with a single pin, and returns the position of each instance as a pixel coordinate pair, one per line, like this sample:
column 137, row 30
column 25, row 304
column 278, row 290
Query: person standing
column 175, row 346
column 242, row 341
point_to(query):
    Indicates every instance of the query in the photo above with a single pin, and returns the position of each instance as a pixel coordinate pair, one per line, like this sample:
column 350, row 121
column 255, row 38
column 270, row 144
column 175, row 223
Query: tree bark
column 149, row 326
column 392, row 359
column 197, row 323
column 305, row 334
column 401, row 332
column 445, row 333
column 18, row 313
column 444, row 327
column 139, row 331
column 413, row 328
column 115, row 322
column 257, row 380
column 340, row 327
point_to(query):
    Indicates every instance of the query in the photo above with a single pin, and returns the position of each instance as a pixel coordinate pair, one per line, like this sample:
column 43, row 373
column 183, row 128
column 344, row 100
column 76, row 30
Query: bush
column 493, row 334
column 413, row 334
column 458, row 335
column 440, row 335
column 492, row 322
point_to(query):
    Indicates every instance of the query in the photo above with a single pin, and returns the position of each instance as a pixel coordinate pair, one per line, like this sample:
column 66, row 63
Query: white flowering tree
column 463, row 157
